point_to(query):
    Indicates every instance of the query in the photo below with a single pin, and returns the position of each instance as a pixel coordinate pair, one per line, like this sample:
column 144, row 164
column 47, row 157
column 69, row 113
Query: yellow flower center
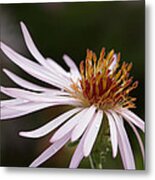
column 103, row 83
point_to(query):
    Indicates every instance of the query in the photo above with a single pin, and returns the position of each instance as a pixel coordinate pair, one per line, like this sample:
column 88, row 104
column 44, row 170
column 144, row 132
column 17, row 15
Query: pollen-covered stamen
column 102, row 83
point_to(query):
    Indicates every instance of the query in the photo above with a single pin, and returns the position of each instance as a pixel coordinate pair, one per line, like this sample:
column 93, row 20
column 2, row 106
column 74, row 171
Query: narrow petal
column 35, row 106
column 34, row 51
column 22, row 109
column 92, row 133
column 20, row 93
column 7, row 113
column 33, row 68
column 113, row 134
column 138, row 138
column 83, row 123
column 37, row 97
column 53, row 124
column 130, row 116
column 50, row 151
column 12, row 102
column 68, row 126
column 56, row 67
column 124, row 144
column 24, row 83
column 71, row 64
column 122, row 153
column 78, row 154
column 31, row 46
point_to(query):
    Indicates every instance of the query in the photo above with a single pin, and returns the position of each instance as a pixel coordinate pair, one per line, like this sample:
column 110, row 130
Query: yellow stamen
column 104, row 87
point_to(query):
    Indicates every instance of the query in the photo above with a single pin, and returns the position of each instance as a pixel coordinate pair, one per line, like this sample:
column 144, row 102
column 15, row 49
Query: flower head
column 99, row 89
column 102, row 84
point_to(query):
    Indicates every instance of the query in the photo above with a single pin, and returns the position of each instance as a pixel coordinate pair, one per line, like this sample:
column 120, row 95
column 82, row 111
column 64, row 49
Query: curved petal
column 73, row 68
column 7, row 113
column 38, row 97
column 83, row 123
column 130, row 116
column 36, row 54
column 22, row 109
column 33, row 68
column 56, row 67
column 124, row 144
column 78, row 154
column 53, row 124
column 68, row 126
column 50, row 151
column 113, row 134
column 24, row 83
column 138, row 138
column 35, row 106
column 12, row 102
column 20, row 93
column 31, row 46
column 92, row 133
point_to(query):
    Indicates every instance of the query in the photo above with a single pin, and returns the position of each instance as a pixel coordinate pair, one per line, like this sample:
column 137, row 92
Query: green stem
column 91, row 162
column 100, row 166
column 100, row 151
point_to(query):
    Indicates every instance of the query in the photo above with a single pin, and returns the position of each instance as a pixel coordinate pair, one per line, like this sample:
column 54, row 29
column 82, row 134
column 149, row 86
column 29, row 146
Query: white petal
column 35, row 106
column 24, row 83
column 138, row 138
column 20, row 93
column 31, row 46
column 68, row 126
column 25, row 107
column 113, row 134
column 7, row 113
column 49, row 152
column 55, row 92
column 130, row 116
column 56, row 67
column 73, row 68
column 124, row 144
column 122, row 153
column 24, row 94
column 12, row 102
column 47, row 128
column 83, row 123
column 22, row 109
column 92, row 133
column 33, row 68
column 38, row 97
column 34, row 51
column 78, row 154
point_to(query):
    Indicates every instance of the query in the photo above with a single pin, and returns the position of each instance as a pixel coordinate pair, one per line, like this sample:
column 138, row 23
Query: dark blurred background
column 71, row 28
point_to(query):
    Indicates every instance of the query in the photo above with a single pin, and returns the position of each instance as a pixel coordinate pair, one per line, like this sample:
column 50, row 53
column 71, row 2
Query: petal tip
column 21, row 134
column 73, row 138
column 2, row 45
column 86, row 153
column 24, row 134
column 114, row 154
column 22, row 24
column 52, row 140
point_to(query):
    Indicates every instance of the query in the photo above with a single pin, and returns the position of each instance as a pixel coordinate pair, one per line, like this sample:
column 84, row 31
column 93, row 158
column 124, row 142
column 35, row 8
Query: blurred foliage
column 71, row 28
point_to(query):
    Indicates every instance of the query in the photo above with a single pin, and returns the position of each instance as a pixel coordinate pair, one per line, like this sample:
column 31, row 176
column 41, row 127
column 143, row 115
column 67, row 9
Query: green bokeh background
column 71, row 28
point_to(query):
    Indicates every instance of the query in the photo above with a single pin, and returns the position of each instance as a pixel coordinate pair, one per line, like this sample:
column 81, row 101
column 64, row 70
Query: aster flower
column 99, row 89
